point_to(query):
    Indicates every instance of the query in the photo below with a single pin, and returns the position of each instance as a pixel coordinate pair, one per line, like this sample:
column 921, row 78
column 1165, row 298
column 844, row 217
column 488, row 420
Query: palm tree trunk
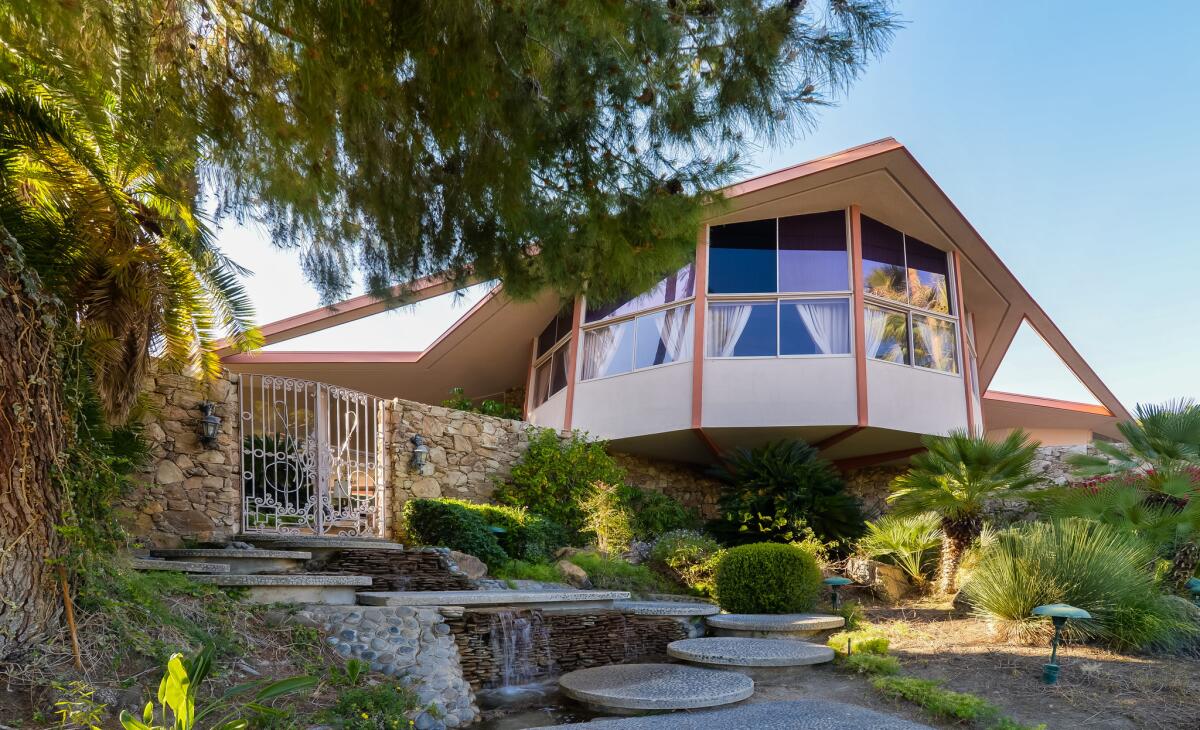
column 1183, row 563
column 958, row 534
column 31, row 434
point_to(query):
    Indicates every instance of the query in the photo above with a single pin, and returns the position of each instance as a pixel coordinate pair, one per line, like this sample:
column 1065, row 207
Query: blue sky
column 1065, row 131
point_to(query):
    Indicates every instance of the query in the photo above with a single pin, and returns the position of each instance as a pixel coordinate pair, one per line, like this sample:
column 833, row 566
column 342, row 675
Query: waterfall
column 519, row 640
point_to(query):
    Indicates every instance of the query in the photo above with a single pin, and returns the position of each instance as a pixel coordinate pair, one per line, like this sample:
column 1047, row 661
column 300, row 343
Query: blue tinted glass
column 741, row 329
column 741, row 258
column 812, row 253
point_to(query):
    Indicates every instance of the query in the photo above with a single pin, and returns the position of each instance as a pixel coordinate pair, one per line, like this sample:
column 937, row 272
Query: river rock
column 473, row 567
column 573, row 574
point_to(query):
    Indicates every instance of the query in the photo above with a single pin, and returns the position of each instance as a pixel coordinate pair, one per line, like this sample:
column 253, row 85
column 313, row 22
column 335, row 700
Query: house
column 844, row 301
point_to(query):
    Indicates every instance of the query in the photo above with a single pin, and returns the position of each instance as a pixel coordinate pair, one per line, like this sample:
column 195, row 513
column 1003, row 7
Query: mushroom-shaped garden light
column 1193, row 585
column 835, row 582
column 1058, row 613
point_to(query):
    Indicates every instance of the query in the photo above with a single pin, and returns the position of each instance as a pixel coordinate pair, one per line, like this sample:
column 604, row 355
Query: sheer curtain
column 673, row 333
column 828, row 323
column 726, row 322
column 600, row 346
column 874, row 324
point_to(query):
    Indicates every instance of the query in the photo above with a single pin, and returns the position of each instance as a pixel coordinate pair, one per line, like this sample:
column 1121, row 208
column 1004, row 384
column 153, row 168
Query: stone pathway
column 624, row 687
column 794, row 715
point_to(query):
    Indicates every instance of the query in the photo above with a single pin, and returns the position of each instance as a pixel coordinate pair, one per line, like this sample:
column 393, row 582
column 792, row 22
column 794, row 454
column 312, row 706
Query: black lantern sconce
column 420, row 453
column 210, row 424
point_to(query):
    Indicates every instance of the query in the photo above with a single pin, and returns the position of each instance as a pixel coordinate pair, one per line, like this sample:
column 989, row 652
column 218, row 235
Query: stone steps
column 320, row 546
column 773, row 626
column 761, row 659
column 629, row 688
column 330, row 590
column 178, row 566
column 545, row 600
column 667, row 608
column 241, row 562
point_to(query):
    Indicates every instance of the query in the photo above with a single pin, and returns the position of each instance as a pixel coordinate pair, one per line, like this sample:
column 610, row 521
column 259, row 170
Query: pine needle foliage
column 563, row 144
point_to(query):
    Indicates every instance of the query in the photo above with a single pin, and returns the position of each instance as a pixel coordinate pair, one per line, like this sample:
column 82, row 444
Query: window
column 741, row 258
column 814, row 327
column 928, row 276
column 883, row 261
column 657, row 338
column 550, row 368
column 676, row 287
column 935, row 344
column 885, row 333
column 741, row 329
column 812, row 253
column 554, row 332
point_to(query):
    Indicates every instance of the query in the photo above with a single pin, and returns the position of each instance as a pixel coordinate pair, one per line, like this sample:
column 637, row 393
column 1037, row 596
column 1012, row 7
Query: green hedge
column 768, row 578
column 451, row 524
column 526, row 536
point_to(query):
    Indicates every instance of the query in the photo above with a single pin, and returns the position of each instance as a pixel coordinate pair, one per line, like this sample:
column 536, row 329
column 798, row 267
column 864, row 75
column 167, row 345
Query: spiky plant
column 955, row 477
column 903, row 541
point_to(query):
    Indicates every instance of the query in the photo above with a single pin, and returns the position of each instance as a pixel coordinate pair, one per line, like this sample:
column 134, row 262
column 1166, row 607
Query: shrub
column 458, row 400
column 1086, row 564
column 614, row 574
column 862, row 641
column 872, row 664
column 526, row 536
column 553, row 474
column 607, row 518
column 768, row 578
column 776, row 489
column 909, row 543
column 522, row 570
column 689, row 557
column 654, row 513
column 379, row 707
column 451, row 524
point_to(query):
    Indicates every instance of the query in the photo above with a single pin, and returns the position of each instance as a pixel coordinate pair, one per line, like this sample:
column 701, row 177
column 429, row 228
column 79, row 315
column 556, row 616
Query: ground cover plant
column 617, row 575
column 768, row 578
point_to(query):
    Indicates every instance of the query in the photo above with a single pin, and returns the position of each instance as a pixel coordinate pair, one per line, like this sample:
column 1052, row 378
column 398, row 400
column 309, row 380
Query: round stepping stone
column 666, row 608
column 787, row 715
column 730, row 651
column 631, row 687
column 773, row 626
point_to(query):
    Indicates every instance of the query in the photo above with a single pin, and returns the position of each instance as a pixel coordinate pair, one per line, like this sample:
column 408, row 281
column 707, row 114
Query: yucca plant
column 1086, row 564
column 955, row 478
column 904, row 541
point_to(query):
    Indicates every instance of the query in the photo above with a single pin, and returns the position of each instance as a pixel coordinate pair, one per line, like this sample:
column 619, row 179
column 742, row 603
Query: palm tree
column 955, row 478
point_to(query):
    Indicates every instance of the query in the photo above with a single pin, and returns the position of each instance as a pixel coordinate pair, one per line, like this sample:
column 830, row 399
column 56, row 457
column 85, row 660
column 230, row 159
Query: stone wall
column 685, row 482
column 189, row 491
column 871, row 486
column 421, row 569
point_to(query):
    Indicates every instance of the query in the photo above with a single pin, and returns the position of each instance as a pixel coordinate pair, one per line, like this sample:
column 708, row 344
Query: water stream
column 521, row 646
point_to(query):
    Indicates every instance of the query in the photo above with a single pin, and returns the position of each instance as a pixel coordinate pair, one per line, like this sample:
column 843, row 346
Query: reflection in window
column 935, row 344
column 741, row 258
column 741, row 329
column 814, row 327
column 928, row 276
column 680, row 285
column 883, row 261
column 608, row 350
column 664, row 337
column 812, row 253
column 886, row 334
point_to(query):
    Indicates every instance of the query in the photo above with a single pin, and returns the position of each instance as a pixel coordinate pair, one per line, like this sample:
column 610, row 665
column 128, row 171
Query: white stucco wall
column 552, row 413
column 779, row 392
column 915, row 400
column 634, row 404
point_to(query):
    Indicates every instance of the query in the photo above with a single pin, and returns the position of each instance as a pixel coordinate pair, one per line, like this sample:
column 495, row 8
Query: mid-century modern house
column 845, row 301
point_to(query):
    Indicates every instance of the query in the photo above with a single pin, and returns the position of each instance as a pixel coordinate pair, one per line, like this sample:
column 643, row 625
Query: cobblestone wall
column 685, row 482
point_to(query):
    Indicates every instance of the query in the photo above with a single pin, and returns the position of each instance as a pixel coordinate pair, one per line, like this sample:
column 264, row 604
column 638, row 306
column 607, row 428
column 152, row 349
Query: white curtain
column 874, row 324
column 828, row 323
column 600, row 346
column 673, row 333
column 726, row 322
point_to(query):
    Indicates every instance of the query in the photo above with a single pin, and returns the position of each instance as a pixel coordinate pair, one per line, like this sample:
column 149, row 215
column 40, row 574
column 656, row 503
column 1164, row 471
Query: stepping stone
column 330, row 590
column 666, row 608
column 761, row 659
column 242, row 562
column 773, row 626
column 635, row 687
column 525, row 599
column 794, row 715
column 177, row 566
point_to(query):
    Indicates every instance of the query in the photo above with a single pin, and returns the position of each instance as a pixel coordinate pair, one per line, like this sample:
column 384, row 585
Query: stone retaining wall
column 572, row 641
column 422, row 569
column 687, row 483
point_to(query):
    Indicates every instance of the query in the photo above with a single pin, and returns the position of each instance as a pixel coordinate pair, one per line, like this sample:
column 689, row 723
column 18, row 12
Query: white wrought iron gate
column 312, row 458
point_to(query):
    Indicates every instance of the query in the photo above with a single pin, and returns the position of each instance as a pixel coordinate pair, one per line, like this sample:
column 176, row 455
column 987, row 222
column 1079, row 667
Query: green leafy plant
column 607, row 518
column 654, row 513
column 177, row 698
column 861, row 641
column 908, row 542
column 871, row 664
column 768, row 578
column 524, row 570
column 444, row 523
column 954, row 478
column 1086, row 564
column 350, row 675
column 553, row 474
column 383, row 706
column 525, row 536
column 938, row 701
column 488, row 407
column 689, row 557
column 77, row 708
column 852, row 613
column 775, row 490
column 615, row 574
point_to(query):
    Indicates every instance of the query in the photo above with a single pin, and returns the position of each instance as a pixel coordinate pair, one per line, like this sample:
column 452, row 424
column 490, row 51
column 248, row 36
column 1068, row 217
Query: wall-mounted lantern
column 210, row 424
column 420, row 453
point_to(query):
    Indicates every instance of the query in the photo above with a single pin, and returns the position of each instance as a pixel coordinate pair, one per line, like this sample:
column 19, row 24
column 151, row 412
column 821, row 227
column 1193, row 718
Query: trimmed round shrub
column 446, row 523
column 768, row 578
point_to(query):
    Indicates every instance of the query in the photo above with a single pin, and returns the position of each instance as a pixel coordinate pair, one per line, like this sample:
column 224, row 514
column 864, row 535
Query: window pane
column 886, row 334
column 664, row 337
column 883, row 261
column 558, row 328
column 935, row 344
column 608, row 350
column 741, row 258
column 680, row 285
column 928, row 276
column 741, row 329
column 812, row 253
column 541, row 384
column 814, row 327
column 558, row 377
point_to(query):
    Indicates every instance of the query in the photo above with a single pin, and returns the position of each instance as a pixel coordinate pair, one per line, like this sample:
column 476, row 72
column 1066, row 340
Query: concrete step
column 321, row 546
column 779, row 715
column 666, row 608
column 242, row 562
column 629, row 688
column 330, row 590
column 178, row 566
column 773, row 626
column 763, row 660
column 545, row 600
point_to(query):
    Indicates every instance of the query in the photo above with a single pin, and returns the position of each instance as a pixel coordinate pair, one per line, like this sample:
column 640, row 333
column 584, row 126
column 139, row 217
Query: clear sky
column 1066, row 133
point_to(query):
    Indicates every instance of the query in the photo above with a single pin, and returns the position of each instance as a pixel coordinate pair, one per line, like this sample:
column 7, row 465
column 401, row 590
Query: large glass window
column 812, row 253
column 883, row 261
column 741, row 329
column 928, row 276
column 935, row 343
column 741, row 258
column 658, row 338
column 676, row 287
column 608, row 350
column 814, row 327
column 885, row 333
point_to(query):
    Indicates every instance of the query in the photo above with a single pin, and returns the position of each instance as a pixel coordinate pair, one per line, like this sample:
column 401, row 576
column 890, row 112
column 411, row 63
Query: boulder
column 573, row 574
column 469, row 564
column 887, row 581
column 566, row 552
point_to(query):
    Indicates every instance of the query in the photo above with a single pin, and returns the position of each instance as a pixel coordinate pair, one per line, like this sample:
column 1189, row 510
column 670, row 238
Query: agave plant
column 955, row 478
column 903, row 541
